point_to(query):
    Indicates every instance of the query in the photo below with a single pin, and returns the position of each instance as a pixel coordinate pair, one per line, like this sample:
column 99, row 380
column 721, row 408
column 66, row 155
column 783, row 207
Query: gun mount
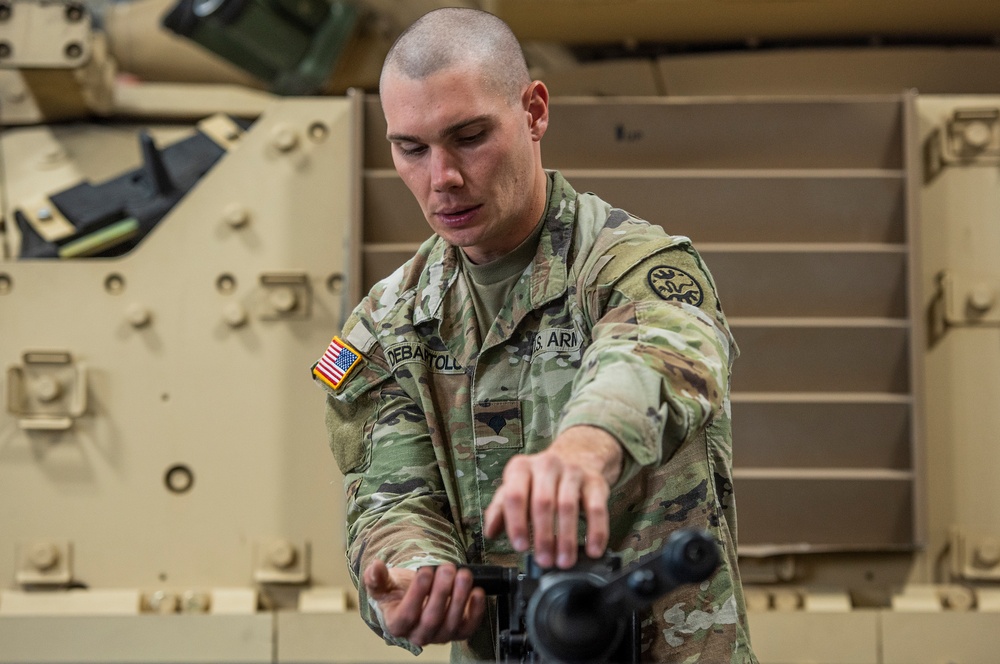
column 589, row 613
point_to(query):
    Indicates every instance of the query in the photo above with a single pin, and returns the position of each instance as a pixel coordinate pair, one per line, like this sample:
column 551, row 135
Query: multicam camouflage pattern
column 615, row 324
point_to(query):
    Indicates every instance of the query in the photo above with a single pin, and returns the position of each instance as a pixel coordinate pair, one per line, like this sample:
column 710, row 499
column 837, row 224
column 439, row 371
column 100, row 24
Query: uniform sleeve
column 658, row 367
column 395, row 498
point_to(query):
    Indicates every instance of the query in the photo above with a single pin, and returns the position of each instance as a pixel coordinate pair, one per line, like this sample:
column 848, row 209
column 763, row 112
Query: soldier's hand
column 541, row 496
column 428, row 605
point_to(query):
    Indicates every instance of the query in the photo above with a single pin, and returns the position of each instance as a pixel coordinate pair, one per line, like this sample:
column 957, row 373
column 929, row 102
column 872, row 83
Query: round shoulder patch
column 675, row 285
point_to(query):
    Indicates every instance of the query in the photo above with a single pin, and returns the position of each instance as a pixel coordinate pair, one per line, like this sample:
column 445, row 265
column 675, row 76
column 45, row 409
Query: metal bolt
column 73, row 50
column 987, row 553
column 236, row 215
column 282, row 554
column 44, row 556
column 284, row 138
column 194, row 602
column 982, row 297
column 47, row 389
column 977, row 134
column 138, row 315
column 235, row 315
column 4, row 11
column 283, row 299
column 958, row 598
column 45, row 214
column 162, row 601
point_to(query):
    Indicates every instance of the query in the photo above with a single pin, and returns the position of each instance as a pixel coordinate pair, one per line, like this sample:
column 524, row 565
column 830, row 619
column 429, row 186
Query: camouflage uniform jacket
column 615, row 324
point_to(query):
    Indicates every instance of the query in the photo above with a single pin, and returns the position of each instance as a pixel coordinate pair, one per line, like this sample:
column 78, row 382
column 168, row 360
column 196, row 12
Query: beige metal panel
column 340, row 637
column 842, row 71
column 730, row 206
column 692, row 133
column 840, row 357
column 960, row 210
column 692, row 21
column 809, row 280
column 853, row 434
column 187, row 101
column 932, row 638
column 799, row 637
column 147, row 638
column 824, row 510
column 623, row 78
column 235, row 404
column 738, row 134
column 758, row 205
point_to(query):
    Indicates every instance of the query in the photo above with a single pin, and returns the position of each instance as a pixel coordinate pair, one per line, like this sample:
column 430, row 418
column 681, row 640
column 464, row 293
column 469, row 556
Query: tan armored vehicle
column 190, row 210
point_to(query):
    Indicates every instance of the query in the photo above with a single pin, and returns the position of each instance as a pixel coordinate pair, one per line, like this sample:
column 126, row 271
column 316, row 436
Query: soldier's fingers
column 568, row 506
column 543, row 506
column 516, row 493
column 473, row 615
column 402, row 617
column 377, row 579
column 436, row 608
column 460, row 594
column 493, row 516
column 595, row 506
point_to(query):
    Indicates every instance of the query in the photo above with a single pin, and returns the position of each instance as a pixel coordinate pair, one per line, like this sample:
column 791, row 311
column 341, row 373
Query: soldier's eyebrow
column 447, row 132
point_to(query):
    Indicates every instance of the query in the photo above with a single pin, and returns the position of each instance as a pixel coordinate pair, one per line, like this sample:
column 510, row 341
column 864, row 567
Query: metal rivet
column 981, row 297
column 162, row 601
column 282, row 554
column 73, row 50
column 284, row 138
column 977, row 134
column 47, row 389
column 235, row 315
column 43, row 556
column 236, row 215
column 283, row 299
column 988, row 553
column 138, row 315
column 194, row 602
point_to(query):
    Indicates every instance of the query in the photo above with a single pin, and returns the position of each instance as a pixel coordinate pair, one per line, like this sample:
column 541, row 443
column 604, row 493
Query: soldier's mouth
column 458, row 216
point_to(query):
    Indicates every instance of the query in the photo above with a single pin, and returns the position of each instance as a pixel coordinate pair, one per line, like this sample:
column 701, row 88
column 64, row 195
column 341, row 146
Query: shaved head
column 460, row 37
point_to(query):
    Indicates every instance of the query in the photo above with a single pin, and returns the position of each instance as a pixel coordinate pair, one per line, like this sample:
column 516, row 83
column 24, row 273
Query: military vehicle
column 195, row 193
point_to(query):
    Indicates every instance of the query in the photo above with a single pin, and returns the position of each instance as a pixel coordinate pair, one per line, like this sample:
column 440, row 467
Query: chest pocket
column 499, row 434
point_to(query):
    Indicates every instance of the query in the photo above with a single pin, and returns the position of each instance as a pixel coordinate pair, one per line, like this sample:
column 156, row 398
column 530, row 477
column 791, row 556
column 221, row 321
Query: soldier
column 543, row 358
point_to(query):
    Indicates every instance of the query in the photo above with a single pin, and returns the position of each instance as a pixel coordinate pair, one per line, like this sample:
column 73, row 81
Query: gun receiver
column 589, row 613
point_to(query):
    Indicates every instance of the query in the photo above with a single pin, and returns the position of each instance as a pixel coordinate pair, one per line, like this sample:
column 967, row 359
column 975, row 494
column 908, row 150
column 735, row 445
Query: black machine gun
column 589, row 613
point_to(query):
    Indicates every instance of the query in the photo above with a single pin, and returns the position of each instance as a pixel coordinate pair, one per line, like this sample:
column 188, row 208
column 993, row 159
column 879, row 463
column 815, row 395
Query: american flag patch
column 336, row 363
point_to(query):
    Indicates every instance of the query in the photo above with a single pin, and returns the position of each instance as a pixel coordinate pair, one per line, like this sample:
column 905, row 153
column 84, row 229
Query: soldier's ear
column 536, row 106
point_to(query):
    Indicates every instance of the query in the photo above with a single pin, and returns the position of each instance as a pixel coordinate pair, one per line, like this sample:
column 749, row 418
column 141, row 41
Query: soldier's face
column 470, row 156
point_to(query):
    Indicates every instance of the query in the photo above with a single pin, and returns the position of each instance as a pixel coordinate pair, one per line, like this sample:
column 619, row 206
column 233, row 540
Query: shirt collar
column 549, row 267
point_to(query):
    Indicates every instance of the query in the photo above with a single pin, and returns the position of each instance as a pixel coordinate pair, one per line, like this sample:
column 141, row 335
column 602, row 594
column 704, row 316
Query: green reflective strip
column 98, row 241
